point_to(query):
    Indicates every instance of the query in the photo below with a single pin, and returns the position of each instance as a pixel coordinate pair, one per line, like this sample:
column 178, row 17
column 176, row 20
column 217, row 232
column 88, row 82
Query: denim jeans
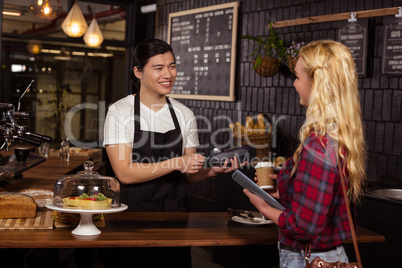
column 290, row 259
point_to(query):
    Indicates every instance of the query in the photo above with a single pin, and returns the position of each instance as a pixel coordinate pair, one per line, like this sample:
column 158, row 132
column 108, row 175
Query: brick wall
column 381, row 95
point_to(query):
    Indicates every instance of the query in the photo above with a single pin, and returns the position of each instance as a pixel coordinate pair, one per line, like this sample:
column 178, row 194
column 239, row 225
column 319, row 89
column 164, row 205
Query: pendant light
column 75, row 24
column 46, row 9
column 34, row 46
column 93, row 36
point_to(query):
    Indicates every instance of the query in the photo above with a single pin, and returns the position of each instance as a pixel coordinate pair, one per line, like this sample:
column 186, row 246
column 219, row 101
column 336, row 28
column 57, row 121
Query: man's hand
column 234, row 164
column 190, row 163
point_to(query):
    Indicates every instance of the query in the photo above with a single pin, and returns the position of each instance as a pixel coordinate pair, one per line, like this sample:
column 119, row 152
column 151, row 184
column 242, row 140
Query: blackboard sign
column 354, row 36
column 392, row 54
column 204, row 43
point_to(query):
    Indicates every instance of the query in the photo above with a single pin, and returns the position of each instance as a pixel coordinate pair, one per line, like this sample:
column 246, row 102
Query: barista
column 151, row 142
column 151, row 139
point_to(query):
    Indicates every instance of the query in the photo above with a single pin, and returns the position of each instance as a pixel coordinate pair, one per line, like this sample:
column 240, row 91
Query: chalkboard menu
column 392, row 55
column 354, row 36
column 204, row 43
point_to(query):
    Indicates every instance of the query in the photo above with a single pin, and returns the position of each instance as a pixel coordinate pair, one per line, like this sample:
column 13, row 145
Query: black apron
column 166, row 193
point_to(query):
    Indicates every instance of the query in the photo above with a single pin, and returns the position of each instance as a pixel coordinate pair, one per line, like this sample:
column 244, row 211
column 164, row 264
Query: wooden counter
column 158, row 229
column 45, row 174
column 139, row 229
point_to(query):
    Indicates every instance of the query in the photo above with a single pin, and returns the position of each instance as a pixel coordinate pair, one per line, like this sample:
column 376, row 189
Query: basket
column 292, row 63
column 261, row 143
column 268, row 67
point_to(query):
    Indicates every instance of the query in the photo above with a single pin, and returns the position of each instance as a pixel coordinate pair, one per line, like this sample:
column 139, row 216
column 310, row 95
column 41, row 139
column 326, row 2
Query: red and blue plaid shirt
column 313, row 197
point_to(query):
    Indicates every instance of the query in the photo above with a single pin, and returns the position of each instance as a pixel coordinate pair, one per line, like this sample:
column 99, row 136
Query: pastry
column 85, row 201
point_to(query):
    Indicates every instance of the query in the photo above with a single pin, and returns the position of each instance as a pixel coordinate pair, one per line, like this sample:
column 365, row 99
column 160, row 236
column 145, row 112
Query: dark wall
column 381, row 95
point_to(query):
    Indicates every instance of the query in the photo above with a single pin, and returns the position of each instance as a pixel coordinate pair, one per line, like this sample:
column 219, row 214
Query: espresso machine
column 12, row 130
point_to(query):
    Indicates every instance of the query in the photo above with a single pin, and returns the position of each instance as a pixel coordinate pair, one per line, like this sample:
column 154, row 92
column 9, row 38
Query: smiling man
column 151, row 142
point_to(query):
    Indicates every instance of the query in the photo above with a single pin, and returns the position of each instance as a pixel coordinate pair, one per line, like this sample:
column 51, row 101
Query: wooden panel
column 336, row 17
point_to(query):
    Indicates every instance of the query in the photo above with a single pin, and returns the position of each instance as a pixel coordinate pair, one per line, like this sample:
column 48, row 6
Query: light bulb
column 47, row 9
column 93, row 40
column 34, row 47
column 75, row 28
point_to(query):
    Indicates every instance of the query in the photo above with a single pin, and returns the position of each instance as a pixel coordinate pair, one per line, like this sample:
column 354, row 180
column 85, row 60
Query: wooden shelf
column 337, row 17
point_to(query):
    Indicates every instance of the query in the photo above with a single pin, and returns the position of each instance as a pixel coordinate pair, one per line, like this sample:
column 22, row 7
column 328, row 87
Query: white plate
column 87, row 211
column 86, row 226
column 254, row 221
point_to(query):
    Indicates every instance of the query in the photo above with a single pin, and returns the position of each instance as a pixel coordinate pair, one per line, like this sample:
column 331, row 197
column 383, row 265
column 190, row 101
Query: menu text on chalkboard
column 392, row 55
column 354, row 36
column 204, row 44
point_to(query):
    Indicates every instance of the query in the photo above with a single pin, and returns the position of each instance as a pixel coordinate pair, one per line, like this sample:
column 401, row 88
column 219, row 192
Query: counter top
column 140, row 229
column 159, row 229
column 45, row 174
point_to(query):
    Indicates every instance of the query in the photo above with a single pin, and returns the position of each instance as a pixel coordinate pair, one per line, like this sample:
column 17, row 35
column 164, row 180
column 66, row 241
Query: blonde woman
column 309, row 185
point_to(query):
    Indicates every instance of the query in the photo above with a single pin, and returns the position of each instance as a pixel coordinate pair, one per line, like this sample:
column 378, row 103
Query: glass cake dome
column 87, row 190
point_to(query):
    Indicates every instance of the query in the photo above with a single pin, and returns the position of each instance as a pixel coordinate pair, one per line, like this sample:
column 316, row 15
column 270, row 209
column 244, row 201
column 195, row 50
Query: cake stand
column 86, row 226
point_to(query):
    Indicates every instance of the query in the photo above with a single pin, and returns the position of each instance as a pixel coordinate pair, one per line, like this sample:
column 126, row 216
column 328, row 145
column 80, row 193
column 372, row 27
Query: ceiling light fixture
column 64, row 55
column 93, row 36
column 34, row 46
column 46, row 9
column 12, row 13
column 75, row 24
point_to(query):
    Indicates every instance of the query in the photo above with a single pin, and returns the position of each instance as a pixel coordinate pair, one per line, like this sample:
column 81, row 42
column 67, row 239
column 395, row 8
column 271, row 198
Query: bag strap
column 307, row 253
column 352, row 227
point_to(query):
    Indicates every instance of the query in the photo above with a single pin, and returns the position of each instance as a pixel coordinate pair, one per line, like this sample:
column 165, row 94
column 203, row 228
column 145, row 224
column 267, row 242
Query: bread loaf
column 42, row 197
column 260, row 124
column 13, row 205
column 249, row 125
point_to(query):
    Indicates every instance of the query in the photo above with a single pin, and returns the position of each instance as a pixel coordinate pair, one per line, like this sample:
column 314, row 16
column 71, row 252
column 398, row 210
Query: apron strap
column 137, row 118
column 173, row 114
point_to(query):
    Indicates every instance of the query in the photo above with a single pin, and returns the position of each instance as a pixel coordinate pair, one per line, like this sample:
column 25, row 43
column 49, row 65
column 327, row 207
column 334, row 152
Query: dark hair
column 146, row 50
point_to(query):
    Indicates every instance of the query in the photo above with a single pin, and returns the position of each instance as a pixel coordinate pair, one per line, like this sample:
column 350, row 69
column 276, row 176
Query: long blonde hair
column 334, row 106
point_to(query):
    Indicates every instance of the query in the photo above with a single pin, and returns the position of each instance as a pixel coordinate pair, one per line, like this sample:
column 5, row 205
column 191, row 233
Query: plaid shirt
column 313, row 198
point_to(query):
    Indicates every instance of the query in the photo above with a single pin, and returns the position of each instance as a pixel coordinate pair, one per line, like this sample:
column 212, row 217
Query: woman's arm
column 313, row 191
column 262, row 206
column 120, row 156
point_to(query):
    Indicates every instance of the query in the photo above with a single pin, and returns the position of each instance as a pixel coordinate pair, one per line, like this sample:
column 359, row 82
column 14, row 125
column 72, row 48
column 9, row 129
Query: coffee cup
column 21, row 154
column 264, row 169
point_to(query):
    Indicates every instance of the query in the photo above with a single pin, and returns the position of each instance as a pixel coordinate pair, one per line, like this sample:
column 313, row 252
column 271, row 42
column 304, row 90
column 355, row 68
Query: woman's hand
column 257, row 201
column 274, row 194
column 262, row 206
column 190, row 163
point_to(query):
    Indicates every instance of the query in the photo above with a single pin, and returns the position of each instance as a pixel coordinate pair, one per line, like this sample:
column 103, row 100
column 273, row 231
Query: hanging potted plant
column 292, row 54
column 269, row 53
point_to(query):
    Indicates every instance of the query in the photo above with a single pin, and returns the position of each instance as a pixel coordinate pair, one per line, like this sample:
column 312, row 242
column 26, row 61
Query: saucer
column 256, row 221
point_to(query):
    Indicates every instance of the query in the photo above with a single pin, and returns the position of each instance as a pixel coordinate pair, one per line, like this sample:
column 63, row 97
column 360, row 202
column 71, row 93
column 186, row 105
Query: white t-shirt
column 119, row 124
